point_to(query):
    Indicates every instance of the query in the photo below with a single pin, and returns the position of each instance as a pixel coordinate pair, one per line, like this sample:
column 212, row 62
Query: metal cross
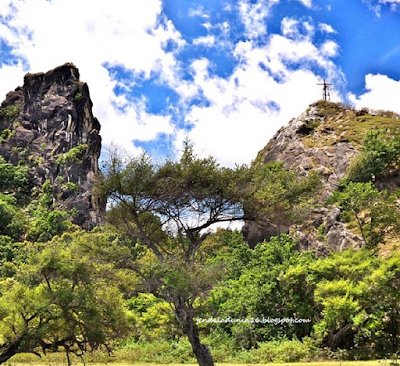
column 325, row 93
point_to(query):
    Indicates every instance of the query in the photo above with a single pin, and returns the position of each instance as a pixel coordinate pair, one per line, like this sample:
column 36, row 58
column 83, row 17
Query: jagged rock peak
column 48, row 124
column 59, row 75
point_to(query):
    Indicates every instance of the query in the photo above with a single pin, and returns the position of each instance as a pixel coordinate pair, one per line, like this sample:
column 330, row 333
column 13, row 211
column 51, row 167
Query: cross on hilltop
column 325, row 92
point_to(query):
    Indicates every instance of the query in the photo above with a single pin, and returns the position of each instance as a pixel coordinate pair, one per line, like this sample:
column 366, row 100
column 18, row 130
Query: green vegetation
column 328, row 109
column 379, row 157
column 130, row 359
column 167, row 210
column 70, row 186
column 348, row 125
column 139, row 284
column 375, row 212
column 74, row 155
column 6, row 134
column 279, row 196
column 60, row 298
column 9, row 113
column 78, row 96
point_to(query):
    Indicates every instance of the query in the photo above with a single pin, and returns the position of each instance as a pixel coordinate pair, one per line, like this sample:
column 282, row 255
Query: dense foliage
column 60, row 298
column 379, row 158
column 142, row 281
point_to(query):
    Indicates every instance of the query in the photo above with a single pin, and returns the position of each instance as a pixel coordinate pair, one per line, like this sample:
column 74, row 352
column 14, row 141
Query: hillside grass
column 345, row 125
column 126, row 357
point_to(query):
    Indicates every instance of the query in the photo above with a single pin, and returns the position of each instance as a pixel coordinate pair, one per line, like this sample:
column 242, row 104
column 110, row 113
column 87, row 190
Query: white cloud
column 49, row 33
column 326, row 28
column 382, row 93
column 244, row 110
column 376, row 5
column 207, row 41
column 389, row 1
column 307, row 3
column 198, row 12
column 253, row 16
column 296, row 29
column 330, row 48
column 261, row 95
column 8, row 76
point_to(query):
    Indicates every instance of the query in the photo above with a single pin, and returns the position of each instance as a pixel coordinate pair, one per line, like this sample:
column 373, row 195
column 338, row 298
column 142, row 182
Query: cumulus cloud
column 198, row 12
column 307, row 3
column 8, row 76
column 330, row 48
column 294, row 28
column 382, row 93
column 263, row 93
column 253, row 16
column 46, row 34
column 273, row 76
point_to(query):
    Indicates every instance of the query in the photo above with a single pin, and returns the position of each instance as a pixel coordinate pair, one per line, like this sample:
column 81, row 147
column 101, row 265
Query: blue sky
column 225, row 74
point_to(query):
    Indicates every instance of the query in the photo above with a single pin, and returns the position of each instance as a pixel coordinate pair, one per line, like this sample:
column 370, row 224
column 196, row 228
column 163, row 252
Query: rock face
column 48, row 124
column 313, row 141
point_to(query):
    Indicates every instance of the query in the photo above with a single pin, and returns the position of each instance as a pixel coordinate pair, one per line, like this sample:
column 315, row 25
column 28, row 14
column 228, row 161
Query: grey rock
column 289, row 145
column 53, row 115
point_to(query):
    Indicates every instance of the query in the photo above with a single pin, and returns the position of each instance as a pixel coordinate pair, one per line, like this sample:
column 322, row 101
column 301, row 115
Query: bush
column 285, row 351
column 378, row 159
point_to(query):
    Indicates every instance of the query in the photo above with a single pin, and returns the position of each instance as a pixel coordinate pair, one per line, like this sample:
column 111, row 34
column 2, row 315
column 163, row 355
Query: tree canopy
column 168, row 209
column 60, row 298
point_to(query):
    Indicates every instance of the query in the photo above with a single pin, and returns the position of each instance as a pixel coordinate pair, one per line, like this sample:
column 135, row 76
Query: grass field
column 320, row 363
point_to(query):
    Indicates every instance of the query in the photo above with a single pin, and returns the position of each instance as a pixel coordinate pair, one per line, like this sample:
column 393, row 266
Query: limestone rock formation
column 48, row 124
column 316, row 140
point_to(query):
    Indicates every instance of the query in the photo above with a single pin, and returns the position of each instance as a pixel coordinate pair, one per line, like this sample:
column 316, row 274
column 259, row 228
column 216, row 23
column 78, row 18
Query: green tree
column 280, row 197
column 378, row 159
column 383, row 288
column 61, row 298
column 45, row 225
column 272, row 283
column 168, row 209
column 13, row 179
column 375, row 212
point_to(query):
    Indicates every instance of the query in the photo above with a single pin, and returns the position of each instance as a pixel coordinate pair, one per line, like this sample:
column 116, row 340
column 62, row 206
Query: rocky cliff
column 325, row 138
column 48, row 124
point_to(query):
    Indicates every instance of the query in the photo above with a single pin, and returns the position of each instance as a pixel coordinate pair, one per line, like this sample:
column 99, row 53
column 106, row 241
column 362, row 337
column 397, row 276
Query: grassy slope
column 347, row 126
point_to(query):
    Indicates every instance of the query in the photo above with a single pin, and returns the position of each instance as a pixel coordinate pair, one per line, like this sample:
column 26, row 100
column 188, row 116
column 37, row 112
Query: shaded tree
column 168, row 210
column 60, row 298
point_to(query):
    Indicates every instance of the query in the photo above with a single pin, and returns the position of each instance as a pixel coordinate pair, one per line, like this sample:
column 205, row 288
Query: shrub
column 73, row 155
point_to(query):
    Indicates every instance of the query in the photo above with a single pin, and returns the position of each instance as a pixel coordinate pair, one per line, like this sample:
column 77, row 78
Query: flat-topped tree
column 168, row 210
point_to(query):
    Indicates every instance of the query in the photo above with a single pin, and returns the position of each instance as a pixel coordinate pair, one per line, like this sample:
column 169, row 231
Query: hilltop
column 326, row 139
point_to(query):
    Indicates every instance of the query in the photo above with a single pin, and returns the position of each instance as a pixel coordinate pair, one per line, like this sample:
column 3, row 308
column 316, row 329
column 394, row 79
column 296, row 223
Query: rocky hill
column 48, row 125
column 325, row 138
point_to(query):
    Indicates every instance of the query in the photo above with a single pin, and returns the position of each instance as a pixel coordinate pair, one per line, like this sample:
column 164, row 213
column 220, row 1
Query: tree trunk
column 10, row 350
column 184, row 315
